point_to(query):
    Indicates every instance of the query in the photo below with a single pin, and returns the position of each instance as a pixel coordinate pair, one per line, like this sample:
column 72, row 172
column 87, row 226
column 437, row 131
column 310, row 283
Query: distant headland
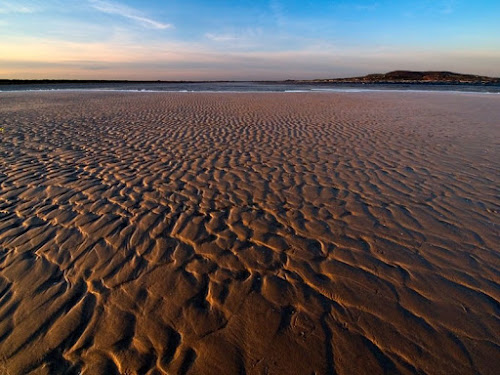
column 407, row 76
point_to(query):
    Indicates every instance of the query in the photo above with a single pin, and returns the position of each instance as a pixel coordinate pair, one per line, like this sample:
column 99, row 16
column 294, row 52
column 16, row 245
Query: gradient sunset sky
column 259, row 39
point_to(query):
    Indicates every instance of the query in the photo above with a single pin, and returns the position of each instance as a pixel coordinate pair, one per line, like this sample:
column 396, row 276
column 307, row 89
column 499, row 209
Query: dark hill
column 407, row 76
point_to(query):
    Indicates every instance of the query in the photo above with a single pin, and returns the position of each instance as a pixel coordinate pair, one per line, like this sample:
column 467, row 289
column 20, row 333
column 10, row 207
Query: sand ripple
column 257, row 234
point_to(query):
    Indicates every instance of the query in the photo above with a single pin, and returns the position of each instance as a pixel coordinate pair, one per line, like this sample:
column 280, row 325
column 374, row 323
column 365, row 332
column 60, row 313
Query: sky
column 245, row 40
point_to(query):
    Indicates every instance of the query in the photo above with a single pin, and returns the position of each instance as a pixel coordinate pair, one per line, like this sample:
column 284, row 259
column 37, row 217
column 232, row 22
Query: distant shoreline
column 286, row 82
column 290, row 82
column 395, row 77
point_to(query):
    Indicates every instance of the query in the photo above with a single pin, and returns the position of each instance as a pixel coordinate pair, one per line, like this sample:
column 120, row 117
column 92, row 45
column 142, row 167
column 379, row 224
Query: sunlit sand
column 161, row 233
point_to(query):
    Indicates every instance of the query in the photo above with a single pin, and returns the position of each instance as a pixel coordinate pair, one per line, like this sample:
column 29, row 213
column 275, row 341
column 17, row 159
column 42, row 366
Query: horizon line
column 319, row 80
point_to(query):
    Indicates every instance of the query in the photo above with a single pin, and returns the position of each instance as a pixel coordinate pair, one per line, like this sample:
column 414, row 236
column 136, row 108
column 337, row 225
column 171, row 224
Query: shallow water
column 254, row 87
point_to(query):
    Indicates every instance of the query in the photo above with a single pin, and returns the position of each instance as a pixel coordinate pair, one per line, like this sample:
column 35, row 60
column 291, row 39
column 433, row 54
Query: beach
column 244, row 233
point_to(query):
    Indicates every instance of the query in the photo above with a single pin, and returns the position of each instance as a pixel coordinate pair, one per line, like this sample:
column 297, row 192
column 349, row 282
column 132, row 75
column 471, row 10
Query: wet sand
column 162, row 233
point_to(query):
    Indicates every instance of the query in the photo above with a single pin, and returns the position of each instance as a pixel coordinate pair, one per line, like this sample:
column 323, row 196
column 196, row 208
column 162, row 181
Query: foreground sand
column 249, row 233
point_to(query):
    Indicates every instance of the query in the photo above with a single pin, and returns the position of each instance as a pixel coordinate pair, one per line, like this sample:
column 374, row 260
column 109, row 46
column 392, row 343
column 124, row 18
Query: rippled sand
column 249, row 233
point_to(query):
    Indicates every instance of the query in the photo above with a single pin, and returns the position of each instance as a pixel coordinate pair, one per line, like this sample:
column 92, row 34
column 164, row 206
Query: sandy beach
column 276, row 233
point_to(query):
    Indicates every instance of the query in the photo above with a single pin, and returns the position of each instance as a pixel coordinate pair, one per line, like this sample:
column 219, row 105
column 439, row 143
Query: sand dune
column 249, row 234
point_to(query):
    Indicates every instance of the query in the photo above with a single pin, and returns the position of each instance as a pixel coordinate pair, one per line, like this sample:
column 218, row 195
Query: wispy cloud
column 7, row 7
column 249, row 35
column 431, row 8
column 221, row 37
column 366, row 7
column 125, row 11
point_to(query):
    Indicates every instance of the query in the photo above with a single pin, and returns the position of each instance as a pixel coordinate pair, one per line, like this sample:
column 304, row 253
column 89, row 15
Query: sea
column 236, row 87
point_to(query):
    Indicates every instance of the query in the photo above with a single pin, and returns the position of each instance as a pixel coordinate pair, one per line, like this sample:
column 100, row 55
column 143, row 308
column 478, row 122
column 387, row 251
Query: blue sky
column 263, row 39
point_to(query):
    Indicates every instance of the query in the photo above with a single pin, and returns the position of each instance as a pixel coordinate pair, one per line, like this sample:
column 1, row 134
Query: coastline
column 283, row 90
